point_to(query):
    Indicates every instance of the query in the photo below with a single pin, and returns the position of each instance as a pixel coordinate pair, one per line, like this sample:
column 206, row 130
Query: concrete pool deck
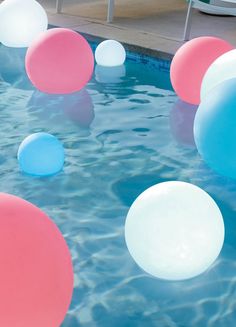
column 148, row 27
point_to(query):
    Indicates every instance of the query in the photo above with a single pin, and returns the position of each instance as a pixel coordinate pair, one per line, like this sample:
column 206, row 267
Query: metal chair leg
column 59, row 6
column 188, row 22
column 110, row 10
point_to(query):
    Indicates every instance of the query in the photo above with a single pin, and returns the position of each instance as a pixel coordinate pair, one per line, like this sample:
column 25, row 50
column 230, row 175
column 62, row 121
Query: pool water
column 124, row 133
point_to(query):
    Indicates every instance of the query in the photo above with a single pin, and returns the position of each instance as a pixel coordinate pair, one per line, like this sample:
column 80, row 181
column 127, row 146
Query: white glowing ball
column 21, row 21
column 110, row 53
column 221, row 69
column 174, row 230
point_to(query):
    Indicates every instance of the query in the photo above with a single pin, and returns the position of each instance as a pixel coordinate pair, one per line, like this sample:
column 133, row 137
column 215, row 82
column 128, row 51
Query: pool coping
column 133, row 48
column 139, row 42
column 155, row 58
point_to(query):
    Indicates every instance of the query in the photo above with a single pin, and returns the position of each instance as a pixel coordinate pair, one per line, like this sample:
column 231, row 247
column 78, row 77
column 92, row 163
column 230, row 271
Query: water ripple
column 130, row 137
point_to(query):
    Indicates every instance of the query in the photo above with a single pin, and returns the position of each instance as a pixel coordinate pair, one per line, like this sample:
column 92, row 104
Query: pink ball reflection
column 77, row 107
column 181, row 122
column 81, row 110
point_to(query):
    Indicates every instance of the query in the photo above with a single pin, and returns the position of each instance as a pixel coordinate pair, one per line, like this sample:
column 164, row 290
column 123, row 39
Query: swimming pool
column 124, row 133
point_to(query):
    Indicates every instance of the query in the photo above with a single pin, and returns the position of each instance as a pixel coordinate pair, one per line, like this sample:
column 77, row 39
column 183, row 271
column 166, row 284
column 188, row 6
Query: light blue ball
column 215, row 128
column 41, row 154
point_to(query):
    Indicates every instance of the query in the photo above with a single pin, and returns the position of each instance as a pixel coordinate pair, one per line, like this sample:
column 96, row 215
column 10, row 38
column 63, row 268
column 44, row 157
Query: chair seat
column 215, row 9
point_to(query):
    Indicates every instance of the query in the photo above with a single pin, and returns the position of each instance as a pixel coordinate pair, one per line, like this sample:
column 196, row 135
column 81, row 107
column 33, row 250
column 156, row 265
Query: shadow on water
column 13, row 70
column 128, row 189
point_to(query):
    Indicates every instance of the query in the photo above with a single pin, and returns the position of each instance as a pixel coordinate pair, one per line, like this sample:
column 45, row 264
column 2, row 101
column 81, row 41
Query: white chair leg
column 59, row 6
column 110, row 10
column 188, row 22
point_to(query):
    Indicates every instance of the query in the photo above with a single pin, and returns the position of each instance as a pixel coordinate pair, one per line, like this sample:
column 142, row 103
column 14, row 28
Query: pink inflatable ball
column 36, row 276
column 190, row 64
column 181, row 122
column 59, row 61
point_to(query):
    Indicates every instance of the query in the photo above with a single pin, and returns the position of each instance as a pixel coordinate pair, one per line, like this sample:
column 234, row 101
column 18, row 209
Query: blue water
column 124, row 133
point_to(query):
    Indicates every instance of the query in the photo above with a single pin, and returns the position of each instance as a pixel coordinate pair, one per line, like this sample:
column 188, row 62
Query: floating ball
column 174, row 230
column 110, row 53
column 221, row 69
column 41, row 154
column 59, row 61
column 191, row 62
column 214, row 128
column 36, row 276
column 21, row 21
